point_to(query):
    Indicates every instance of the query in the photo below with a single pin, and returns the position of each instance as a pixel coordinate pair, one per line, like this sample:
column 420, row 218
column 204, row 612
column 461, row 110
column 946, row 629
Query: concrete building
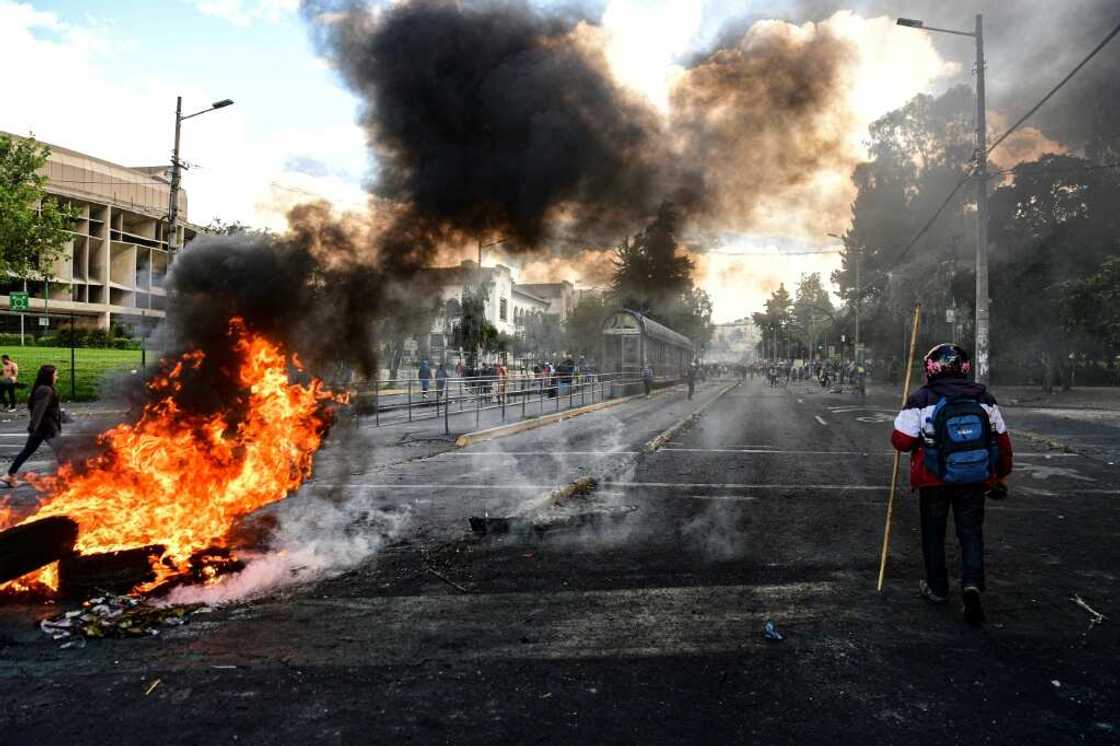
column 113, row 268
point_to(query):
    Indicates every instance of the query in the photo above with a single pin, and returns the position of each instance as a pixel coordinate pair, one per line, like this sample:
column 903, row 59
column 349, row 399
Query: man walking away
column 692, row 371
column 959, row 451
column 425, row 377
column 9, row 376
column 647, row 379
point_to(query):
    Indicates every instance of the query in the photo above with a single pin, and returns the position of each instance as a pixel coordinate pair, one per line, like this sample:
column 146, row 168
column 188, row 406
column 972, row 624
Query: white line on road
column 538, row 453
column 779, row 452
column 821, row 420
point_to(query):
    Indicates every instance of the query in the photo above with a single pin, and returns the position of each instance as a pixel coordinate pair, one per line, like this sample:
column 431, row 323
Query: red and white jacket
column 913, row 422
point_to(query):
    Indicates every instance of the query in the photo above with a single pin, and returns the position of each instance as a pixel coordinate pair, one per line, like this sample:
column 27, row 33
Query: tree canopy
column 33, row 224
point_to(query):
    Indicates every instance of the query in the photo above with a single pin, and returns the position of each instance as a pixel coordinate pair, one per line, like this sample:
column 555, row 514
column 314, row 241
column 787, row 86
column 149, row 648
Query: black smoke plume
column 312, row 290
column 489, row 118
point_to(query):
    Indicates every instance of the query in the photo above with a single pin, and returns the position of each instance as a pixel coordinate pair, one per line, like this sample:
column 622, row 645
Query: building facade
column 112, row 270
column 508, row 307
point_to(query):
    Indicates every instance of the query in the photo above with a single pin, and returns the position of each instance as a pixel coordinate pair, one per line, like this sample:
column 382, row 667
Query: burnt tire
column 28, row 547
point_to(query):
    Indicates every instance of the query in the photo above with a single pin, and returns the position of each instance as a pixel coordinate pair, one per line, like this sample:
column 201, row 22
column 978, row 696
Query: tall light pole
column 859, row 298
column 176, row 170
column 982, row 305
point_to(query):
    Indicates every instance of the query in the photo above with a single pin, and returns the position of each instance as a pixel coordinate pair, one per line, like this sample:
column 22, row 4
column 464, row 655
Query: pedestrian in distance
column 46, row 420
column 960, row 453
column 647, row 379
column 9, row 378
column 425, row 376
column 693, row 370
column 441, row 380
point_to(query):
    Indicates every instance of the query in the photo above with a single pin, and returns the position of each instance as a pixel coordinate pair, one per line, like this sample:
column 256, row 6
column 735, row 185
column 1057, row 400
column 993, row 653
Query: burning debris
column 156, row 504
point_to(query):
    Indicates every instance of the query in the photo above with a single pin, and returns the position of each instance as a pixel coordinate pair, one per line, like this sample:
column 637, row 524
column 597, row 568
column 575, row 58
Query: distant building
column 508, row 306
column 733, row 343
column 561, row 296
column 113, row 267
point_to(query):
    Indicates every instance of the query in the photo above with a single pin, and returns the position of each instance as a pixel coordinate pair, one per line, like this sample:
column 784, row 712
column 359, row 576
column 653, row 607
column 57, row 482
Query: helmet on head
column 947, row 361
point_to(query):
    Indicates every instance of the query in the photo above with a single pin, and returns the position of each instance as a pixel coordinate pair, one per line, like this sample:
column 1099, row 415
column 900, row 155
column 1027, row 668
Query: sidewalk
column 422, row 438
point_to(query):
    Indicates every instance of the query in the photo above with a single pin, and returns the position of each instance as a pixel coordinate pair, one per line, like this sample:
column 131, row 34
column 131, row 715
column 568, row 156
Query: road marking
column 778, row 452
column 537, row 453
column 821, row 420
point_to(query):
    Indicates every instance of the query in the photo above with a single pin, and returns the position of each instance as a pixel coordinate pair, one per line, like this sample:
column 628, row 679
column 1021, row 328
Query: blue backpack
column 962, row 449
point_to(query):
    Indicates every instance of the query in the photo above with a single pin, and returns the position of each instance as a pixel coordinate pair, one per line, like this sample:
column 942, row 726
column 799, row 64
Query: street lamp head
column 910, row 23
column 222, row 104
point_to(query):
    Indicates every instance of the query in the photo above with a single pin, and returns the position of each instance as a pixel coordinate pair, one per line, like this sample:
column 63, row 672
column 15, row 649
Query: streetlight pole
column 983, row 310
column 177, row 171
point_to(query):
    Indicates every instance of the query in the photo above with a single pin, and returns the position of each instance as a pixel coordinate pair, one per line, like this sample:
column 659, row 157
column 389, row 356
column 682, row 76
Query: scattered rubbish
column 224, row 668
column 1057, row 684
column 115, row 616
column 1095, row 616
column 152, row 687
column 770, row 632
column 77, row 643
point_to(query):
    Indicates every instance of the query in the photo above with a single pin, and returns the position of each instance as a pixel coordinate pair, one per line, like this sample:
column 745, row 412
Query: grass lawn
column 91, row 365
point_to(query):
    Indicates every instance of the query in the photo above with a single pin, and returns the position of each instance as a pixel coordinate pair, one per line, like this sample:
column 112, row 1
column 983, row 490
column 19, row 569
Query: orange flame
column 180, row 480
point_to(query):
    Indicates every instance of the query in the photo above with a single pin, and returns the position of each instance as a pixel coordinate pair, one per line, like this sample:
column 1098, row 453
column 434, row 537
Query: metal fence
column 401, row 401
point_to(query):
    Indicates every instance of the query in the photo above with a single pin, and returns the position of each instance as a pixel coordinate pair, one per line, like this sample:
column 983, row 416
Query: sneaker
column 929, row 595
column 973, row 611
column 8, row 480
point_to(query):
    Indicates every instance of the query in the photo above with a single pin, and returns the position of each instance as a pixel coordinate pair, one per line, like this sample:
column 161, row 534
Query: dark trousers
column 967, row 502
column 8, row 393
column 691, row 388
column 29, row 448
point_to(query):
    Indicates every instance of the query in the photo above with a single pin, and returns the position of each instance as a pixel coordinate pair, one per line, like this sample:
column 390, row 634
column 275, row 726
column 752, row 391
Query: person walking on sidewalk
column 46, row 420
column 693, row 369
column 960, row 451
column 647, row 378
column 9, row 377
column 425, row 377
column 441, row 380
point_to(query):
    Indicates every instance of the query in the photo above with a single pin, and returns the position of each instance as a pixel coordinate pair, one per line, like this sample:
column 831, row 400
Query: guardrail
column 401, row 401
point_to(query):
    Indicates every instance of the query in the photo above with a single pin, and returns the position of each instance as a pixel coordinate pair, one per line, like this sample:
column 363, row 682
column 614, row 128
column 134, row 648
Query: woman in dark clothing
column 46, row 420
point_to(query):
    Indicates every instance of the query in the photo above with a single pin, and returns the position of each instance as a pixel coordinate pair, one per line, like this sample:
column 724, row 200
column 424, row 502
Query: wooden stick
column 897, row 454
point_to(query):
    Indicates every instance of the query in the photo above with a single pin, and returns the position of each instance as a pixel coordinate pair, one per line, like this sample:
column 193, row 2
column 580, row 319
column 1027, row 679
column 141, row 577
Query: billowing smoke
column 494, row 118
column 491, row 119
column 313, row 290
column 762, row 117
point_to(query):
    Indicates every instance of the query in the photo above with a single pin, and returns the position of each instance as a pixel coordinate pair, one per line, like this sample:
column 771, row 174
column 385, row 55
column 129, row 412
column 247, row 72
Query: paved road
column 646, row 628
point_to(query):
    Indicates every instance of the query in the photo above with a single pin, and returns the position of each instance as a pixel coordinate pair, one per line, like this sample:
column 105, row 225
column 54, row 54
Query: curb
column 656, row 443
column 499, row 431
column 589, row 484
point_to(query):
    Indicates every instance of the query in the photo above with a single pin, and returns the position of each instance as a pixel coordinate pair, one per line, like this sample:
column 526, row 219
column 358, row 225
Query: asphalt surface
column 635, row 613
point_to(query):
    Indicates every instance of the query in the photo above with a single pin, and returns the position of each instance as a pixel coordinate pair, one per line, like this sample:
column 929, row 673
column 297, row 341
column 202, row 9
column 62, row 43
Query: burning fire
column 180, row 480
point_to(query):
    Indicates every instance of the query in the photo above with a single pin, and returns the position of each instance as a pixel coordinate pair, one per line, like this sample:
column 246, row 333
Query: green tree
column 33, row 225
column 583, row 330
column 654, row 277
column 812, row 314
column 473, row 332
column 775, row 323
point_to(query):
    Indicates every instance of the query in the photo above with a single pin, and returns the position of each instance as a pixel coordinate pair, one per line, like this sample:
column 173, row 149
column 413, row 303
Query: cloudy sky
column 101, row 77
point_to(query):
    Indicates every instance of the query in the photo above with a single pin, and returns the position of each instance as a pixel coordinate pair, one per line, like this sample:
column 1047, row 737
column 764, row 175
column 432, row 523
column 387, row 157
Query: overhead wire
column 967, row 177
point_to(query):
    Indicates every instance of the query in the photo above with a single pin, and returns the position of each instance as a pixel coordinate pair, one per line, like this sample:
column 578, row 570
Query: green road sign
column 17, row 301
